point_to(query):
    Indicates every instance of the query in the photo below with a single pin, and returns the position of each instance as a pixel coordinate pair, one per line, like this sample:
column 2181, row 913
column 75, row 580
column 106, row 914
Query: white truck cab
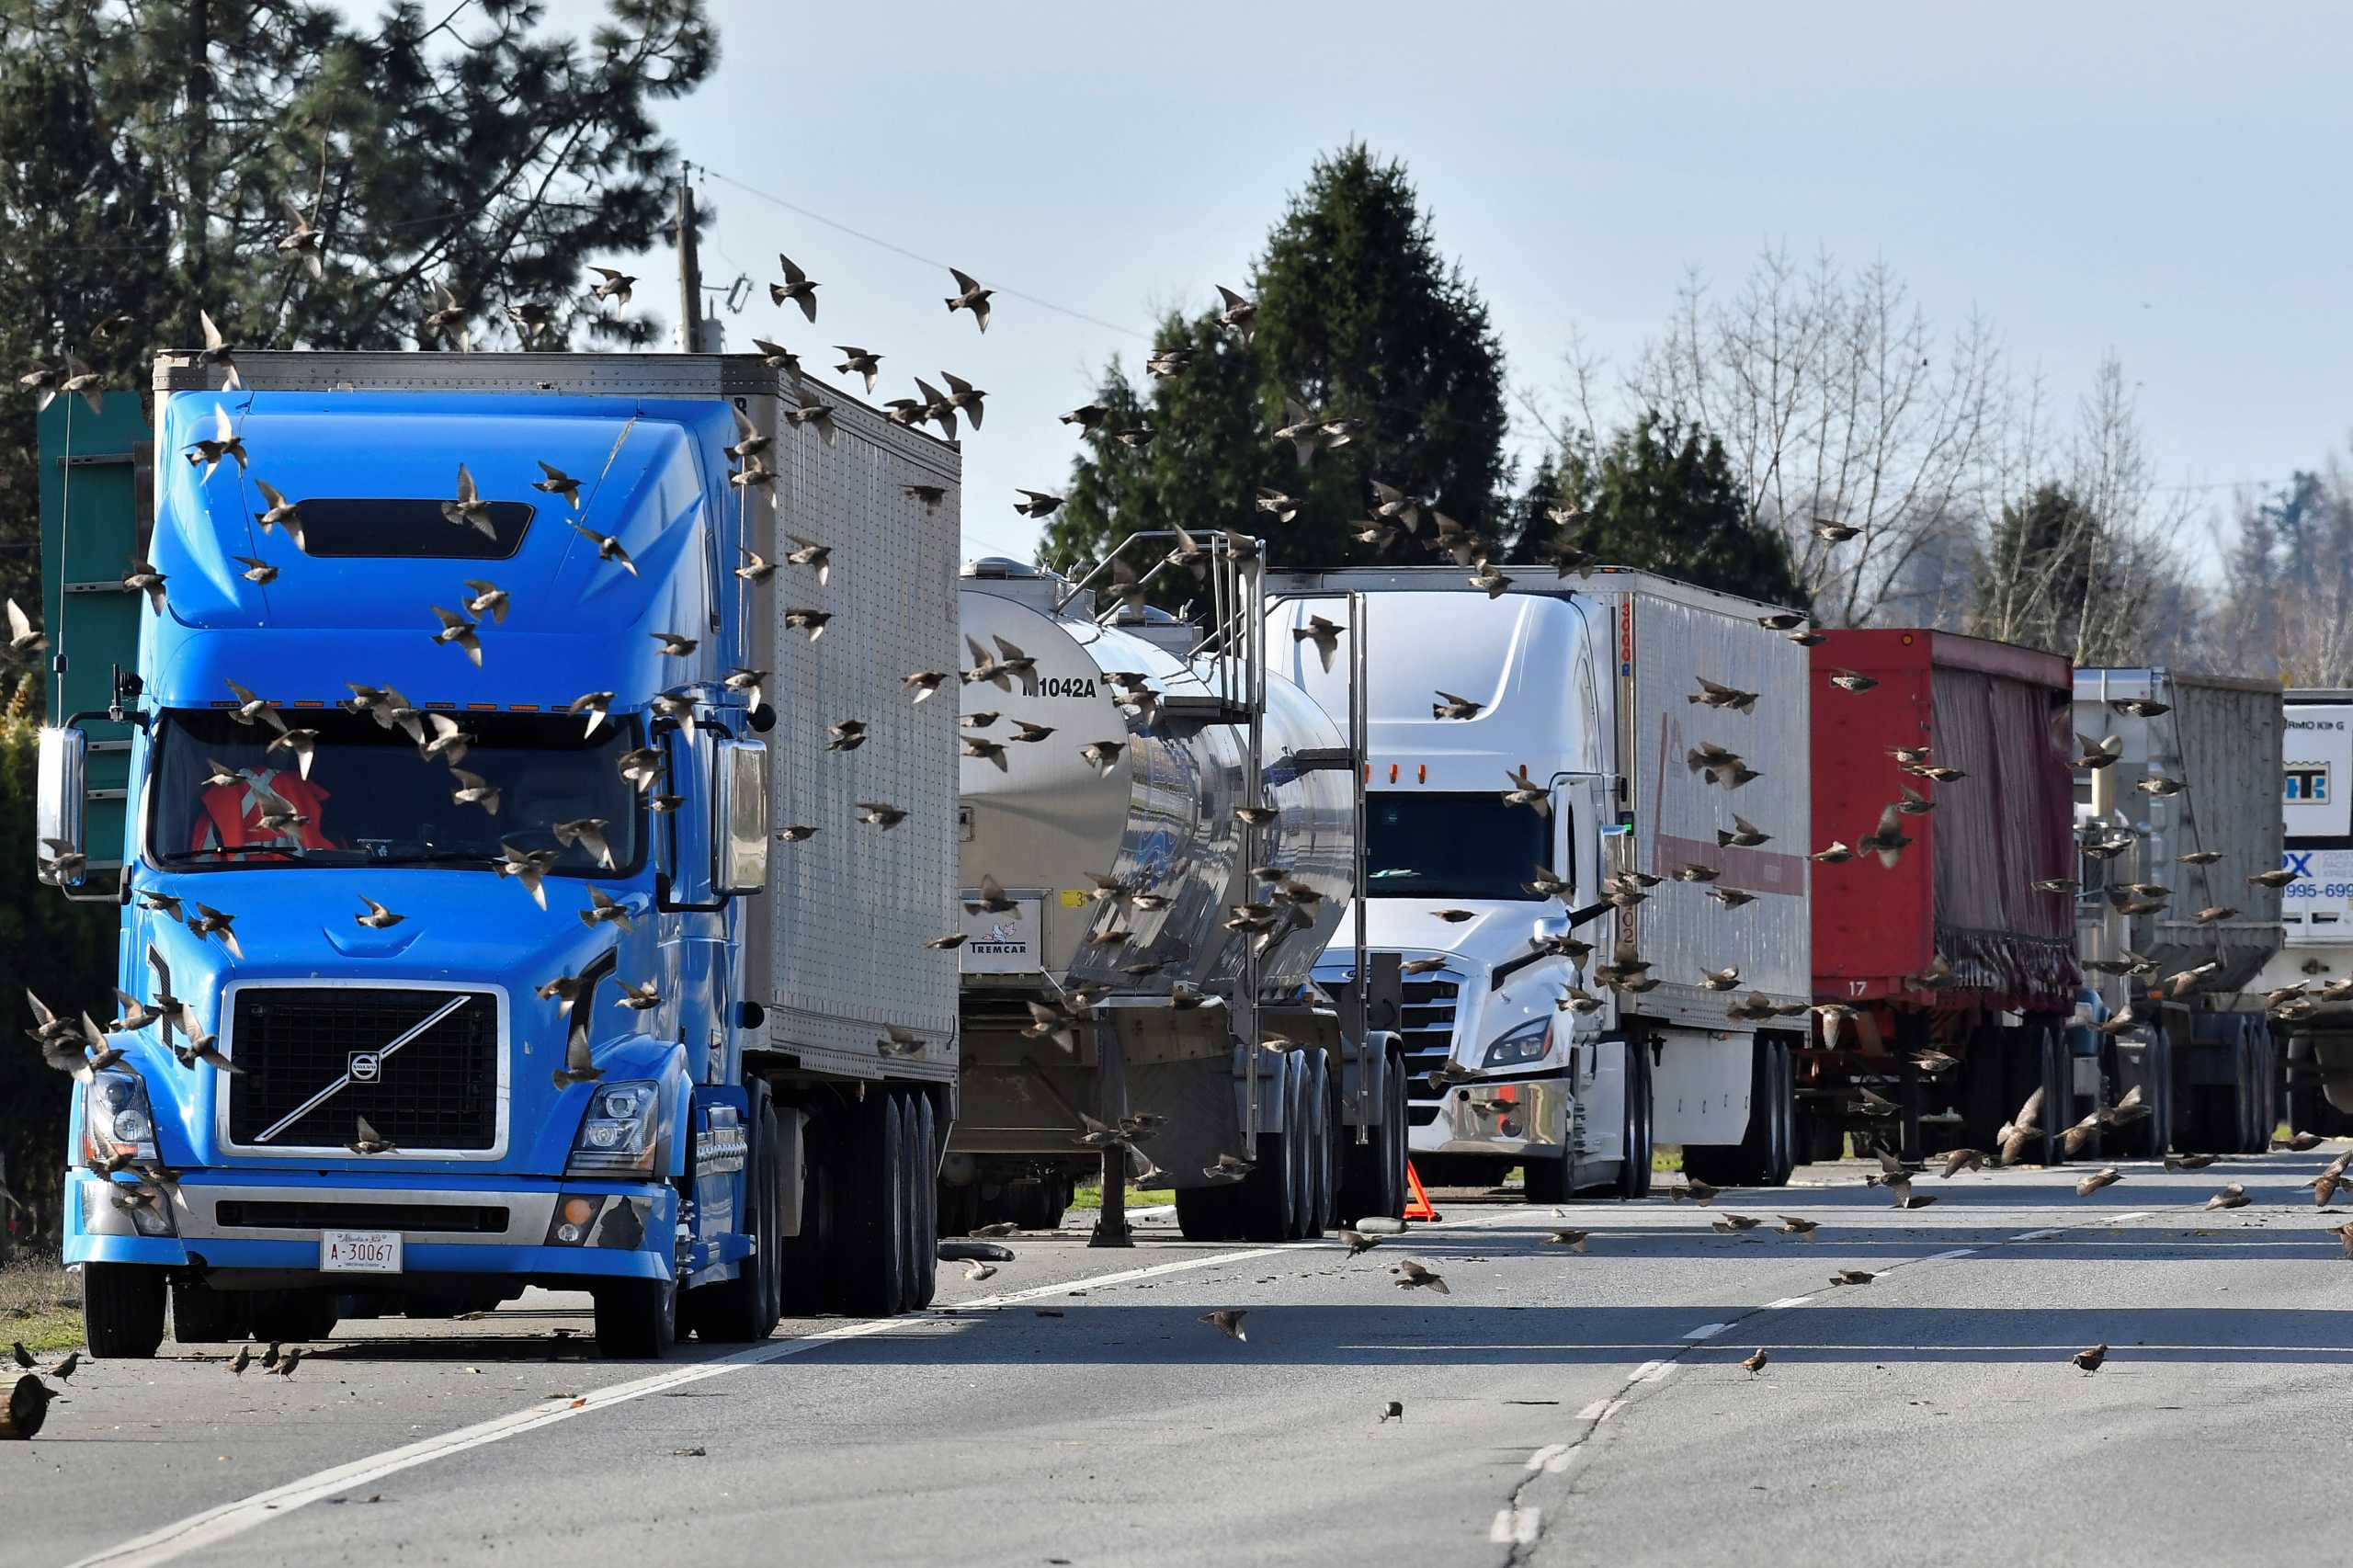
column 1579, row 687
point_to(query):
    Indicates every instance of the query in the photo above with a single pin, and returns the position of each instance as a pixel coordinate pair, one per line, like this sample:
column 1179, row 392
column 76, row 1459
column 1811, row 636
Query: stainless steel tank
column 1043, row 820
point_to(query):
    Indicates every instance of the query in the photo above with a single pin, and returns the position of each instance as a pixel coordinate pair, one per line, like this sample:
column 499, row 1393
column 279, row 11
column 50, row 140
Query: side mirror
column 63, row 771
column 739, row 818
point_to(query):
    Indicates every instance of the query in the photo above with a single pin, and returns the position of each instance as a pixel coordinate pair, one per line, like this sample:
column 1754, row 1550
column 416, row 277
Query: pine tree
column 1358, row 319
column 1661, row 497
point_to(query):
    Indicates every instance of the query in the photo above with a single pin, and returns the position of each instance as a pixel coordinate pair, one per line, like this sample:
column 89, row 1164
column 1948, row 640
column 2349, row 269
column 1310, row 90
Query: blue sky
column 2167, row 181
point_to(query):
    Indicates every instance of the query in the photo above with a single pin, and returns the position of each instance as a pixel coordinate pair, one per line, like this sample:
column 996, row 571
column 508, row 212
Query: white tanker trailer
column 1159, row 840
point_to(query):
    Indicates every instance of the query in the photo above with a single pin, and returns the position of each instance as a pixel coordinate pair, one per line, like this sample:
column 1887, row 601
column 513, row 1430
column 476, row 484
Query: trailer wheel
column 2309, row 1109
column 1785, row 1116
column 1753, row 1160
column 1316, row 1092
column 923, row 1228
column 201, row 1316
column 870, row 1261
column 1298, row 1140
column 1634, row 1164
column 1208, row 1214
column 636, row 1319
column 1267, row 1201
column 1373, row 1173
column 122, row 1309
column 804, row 1260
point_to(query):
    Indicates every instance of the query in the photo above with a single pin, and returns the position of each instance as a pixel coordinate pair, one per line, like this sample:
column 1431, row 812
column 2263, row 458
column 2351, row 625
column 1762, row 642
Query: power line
column 901, row 250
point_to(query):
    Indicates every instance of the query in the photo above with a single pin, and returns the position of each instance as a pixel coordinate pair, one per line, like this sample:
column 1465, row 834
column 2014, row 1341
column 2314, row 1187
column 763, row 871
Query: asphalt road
column 1558, row 1408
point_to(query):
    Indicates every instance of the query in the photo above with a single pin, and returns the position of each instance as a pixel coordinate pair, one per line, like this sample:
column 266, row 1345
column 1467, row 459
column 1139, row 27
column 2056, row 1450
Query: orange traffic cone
column 1419, row 1209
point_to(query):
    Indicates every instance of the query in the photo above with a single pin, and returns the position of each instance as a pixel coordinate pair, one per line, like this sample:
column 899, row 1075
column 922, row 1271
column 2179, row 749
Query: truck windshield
column 1466, row 846
column 373, row 797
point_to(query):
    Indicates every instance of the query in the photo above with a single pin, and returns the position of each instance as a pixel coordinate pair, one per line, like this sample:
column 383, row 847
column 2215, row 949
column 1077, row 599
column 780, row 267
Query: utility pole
column 689, row 274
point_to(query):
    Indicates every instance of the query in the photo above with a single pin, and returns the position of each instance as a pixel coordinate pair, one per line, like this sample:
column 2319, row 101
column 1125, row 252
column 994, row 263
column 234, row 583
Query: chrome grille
column 1427, row 1028
column 437, row 1091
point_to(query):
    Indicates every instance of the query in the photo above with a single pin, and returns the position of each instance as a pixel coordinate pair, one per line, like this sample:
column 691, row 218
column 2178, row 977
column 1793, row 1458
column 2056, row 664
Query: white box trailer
column 1590, row 686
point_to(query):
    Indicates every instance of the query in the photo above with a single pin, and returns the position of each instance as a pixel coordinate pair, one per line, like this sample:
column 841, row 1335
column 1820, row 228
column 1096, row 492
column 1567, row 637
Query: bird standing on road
column 1412, row 1275
column 2089, row 1360
column 2232, row 1197
column 1791, row 1225
column 1573, row 1240
column 287, row 1363
column 1755, row 1363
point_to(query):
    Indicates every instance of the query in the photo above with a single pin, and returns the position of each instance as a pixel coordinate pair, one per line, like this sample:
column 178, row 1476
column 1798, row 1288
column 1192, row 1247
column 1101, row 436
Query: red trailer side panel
column 1961, row 889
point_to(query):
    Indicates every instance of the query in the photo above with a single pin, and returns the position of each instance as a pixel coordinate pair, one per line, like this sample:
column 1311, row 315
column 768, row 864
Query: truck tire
column 2308, row 1107
column 1635, row 1161
column 923, row 1227
column 1374, row 1172
column 1785, row 1158
column 1299, row 1139
column 805, row 1260
column 1316, row 1091
column 871, row 1264
column 293, row 1315
column 746, row 1309
column 122, row 1309
column 2152, row 1135
column 1208, row 1214
column 1267, row 1199
column 201, row 1316
column 637, row 1319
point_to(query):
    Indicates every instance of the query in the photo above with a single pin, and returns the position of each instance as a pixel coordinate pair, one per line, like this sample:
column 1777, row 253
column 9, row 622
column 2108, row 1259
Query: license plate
column 360, row 1252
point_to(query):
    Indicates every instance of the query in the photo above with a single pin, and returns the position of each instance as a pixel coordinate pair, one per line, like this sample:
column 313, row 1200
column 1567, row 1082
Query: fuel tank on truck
column 1141, row 794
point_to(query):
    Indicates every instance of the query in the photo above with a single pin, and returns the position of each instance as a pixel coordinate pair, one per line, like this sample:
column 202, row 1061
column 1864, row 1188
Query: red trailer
column 1949, row 949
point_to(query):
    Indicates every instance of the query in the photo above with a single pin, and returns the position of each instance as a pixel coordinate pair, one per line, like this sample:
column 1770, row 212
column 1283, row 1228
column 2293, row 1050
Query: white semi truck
column 1598, row 691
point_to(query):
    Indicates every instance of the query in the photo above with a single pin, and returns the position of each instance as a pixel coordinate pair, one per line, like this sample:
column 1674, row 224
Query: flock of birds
column 81, row 1047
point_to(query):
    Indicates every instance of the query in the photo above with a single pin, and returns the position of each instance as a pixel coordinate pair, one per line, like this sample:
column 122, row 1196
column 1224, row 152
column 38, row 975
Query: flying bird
column 797, row 287
column 970, row 296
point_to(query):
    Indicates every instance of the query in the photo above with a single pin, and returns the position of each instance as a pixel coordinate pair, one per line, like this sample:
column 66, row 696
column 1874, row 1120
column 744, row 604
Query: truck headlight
column 1531, row 1041
column 619, row 1131
column 117, row 1117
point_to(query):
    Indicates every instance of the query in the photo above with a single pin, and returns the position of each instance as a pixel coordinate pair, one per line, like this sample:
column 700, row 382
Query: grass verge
column 40, row 1304
column 1090, row 1196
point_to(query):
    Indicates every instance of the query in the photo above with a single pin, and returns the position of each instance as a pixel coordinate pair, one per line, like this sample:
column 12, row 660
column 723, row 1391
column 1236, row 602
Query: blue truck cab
column 449, row 955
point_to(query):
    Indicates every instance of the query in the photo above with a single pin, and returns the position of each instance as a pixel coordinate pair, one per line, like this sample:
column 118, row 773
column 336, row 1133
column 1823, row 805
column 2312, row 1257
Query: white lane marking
column 2040, row 1235
column 234, row 1519
column 1610, row 1409
column 1513, row 1526
column 1787, row 1302
column 1651, row 1371
column 1707, row 1331
column 1092, row 1281
column 218, row 1524
column 1546, row 1455
column 2120, row 1219
column 1561, row 1462
column 1949, row 1256
column 1595, row 1411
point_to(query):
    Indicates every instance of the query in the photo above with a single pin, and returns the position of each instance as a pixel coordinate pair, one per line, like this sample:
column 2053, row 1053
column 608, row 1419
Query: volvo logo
column 363, row 1067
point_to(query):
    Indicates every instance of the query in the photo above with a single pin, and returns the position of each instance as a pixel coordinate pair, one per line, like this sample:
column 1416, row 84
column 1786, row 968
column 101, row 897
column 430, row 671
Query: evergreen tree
column 1661, row 497
column 1358, row 319
column 149, row 149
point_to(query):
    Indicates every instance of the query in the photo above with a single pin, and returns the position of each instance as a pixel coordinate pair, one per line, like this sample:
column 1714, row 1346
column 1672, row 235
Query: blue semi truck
column 527, row 843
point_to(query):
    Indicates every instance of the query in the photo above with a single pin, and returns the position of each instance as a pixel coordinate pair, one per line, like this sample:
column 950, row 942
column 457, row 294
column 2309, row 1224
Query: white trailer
column 2316, row 909
column 1590, row 688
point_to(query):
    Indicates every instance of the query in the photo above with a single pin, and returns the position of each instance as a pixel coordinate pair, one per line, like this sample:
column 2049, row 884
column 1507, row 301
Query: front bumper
column 236, row 1220
column 1498, row 1117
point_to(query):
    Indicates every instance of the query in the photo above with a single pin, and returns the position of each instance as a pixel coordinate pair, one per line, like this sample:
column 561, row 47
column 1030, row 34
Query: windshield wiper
column 477, row 859
column 269, row 851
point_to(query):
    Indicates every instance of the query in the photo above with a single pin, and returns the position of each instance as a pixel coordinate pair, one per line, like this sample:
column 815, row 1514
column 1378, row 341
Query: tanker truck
column 504, row 900
column 1159, row 838
column 1585, row 852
